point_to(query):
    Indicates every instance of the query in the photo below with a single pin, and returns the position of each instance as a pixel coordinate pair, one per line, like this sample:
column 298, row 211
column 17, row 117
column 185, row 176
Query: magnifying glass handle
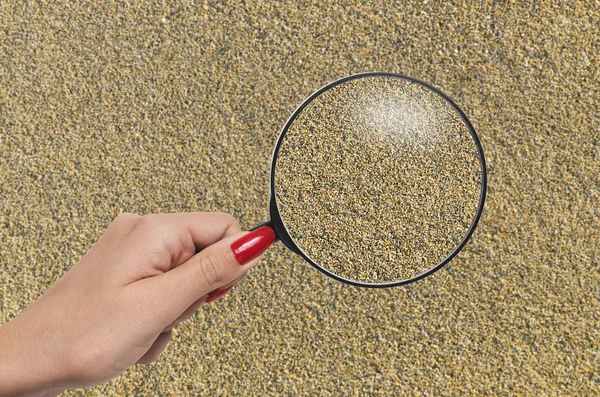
column 268, row 224
column 276, row 225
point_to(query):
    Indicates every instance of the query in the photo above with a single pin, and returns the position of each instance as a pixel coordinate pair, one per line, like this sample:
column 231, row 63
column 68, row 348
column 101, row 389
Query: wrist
column 30, row 364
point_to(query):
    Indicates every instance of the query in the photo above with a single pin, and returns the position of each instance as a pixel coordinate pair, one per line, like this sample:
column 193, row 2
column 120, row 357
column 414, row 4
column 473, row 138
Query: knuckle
column 152, row 225
column 230, row 221
column 126, row 217
column 228, row 218
column 124, row 221
column 212, row 270
column 148, row 219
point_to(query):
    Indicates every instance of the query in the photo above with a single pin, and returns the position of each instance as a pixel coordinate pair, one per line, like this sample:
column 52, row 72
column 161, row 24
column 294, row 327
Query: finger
column 222, row 263
column 157, row 347
column 172, row 239
column 214, row 267
column 204, row 228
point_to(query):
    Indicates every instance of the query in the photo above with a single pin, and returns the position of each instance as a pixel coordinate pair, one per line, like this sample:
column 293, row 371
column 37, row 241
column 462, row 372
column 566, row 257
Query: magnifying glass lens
column 378, row 179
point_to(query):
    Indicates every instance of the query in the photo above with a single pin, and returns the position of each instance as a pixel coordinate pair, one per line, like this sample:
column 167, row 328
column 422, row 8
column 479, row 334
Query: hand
column 117, row 305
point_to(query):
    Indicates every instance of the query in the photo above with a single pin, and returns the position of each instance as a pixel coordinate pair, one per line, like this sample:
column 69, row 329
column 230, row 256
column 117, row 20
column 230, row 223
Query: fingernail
column 213, row 296
column 252, row 244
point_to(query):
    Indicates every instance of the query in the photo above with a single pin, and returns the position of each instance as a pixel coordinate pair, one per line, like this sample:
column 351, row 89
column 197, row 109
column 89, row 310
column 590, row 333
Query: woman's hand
column 117, row 305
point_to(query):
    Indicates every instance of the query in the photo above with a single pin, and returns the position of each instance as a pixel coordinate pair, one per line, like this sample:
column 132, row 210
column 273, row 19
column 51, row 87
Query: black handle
column 267, row 223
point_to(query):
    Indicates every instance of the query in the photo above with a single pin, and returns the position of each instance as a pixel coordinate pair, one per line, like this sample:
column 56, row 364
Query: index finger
column 204, row 228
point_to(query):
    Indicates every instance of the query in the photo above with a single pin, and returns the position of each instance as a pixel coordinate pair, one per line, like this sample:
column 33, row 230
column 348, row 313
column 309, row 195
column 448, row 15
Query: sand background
column 163, row 106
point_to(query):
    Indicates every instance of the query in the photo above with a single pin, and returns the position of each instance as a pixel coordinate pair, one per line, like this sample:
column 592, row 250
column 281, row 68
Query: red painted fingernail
column 213, row 296
column 252, row 244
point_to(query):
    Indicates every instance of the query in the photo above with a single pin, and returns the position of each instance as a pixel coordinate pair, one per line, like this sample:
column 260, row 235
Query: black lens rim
column 282, row 232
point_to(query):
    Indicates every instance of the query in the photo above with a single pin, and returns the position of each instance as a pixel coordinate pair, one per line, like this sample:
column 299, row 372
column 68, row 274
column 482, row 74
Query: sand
column 175, row 106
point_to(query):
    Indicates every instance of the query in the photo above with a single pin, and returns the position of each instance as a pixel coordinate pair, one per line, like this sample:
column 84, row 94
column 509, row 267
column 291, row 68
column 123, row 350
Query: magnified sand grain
column 378, row 179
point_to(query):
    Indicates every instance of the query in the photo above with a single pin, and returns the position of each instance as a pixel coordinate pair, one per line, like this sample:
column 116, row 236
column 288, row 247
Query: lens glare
column 378, row 179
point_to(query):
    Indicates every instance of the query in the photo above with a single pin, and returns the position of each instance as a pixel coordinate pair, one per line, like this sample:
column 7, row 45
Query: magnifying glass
column 377, row 180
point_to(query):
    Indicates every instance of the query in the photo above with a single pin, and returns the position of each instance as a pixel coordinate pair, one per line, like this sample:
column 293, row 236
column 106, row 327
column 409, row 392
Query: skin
column 117, row 306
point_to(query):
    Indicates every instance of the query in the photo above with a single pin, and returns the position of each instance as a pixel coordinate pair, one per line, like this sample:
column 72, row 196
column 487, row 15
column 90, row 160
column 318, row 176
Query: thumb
column 214, row 267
